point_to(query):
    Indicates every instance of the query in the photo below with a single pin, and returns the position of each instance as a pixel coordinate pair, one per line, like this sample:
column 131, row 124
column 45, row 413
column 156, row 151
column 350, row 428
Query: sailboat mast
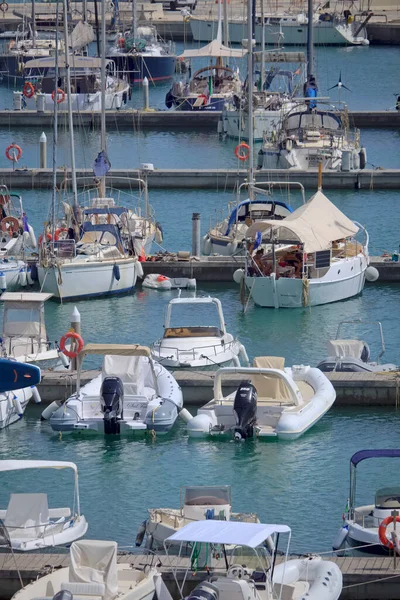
column 33, row 24
column 310, row 38
column 134, row 19
column 55, row 134
column 69, row 102
column 103, row 92
column 262, row 45
column 84, row 11
column 250, row 85
column 226, row 22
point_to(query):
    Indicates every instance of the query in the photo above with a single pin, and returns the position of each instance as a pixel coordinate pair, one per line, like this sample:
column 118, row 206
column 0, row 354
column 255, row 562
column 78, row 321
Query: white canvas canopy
column 315, row 224
column 19, row 465
column 227, row 532
column 129, row 369
column 95, row 561
column 345, row 348
column 27, row 515
column 214, row 49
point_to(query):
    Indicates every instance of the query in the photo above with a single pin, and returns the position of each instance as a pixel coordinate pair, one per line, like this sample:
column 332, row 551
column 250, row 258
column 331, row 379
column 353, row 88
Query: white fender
column 63, row 358
column 139, row 269
column 3, row 282
column 371, row 274
column 35, row 395
column 199, row 426
column 159, row 236
column 340, row 538
column 206, row 245
column 231, row 248
column 17, row 406
column 185, row 415
column 29, row 277
column 32, row 236
column 238, row 276
column 22, row 278
column 49, row 410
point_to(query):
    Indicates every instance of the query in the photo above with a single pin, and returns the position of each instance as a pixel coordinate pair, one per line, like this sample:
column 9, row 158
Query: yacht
column 17, row 388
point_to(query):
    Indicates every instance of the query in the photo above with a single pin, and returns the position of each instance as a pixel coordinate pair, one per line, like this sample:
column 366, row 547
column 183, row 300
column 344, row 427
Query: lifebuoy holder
column 71, row 335
column 239, row 154
column 13, row 152
column 382, row 532
column 60, row 95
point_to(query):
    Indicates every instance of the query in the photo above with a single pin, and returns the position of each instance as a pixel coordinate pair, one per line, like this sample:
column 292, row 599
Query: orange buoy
column 71, row 335
column 239, row 154
column 60, row 95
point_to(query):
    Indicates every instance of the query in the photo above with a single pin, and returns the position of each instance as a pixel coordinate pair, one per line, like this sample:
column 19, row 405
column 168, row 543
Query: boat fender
column 17, row 406
column 169, row 99
column 22, row 278
column 199, row 425
column 3, row 281
column 238, row 276
column 35, row 395
column 49, row 410
column 191, row 284
column 340, row 538
column 116, row 272
column 206, row 245
column 32, row 236
column 363, row 158
column 29, row 276
column 140, row 534
column 159, row 233
column 139, row 270
column 64, row 359
column 382, row 532
column 34, row 272
column 371, row 274
column 185, row 415
column 232, row 247
column 149, row 542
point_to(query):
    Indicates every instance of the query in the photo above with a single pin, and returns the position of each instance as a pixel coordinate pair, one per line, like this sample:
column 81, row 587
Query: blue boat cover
column 232, row 218
column 115, row 210
column 364, row 454
column 15, row 375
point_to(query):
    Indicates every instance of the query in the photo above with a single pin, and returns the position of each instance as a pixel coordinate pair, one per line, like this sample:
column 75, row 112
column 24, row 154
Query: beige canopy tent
column 315, row 224
column 214, row 49
column 115, row 350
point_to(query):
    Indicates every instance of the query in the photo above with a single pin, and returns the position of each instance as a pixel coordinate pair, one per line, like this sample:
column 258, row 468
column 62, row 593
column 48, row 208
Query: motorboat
column 17, row 388
column 94, row 573
column 132, row 394
column 17, row 235
column 30, row 523
column 276, row 86
column 156, row 281
column 313, row 257
column 271, row 401
column 85, row 71
column 199, row 346
column 197, row 504
column 142, row 55
column 228, row 237
column 311, row 135
column 353, row 355
column 249, row 569
column 330, row 29
column 24, row 335
column 370, row 528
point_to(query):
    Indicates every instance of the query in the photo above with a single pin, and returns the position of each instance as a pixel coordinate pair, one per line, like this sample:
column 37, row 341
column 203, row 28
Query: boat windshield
column 319, row 120
column 201, row 495
column 258, row 560
column 388, row 498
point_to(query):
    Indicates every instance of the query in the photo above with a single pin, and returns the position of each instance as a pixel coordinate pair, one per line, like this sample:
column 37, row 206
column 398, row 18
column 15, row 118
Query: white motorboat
column 133, row 394
column 85, row 71
column 17, row 387
column 197, row 504
column 30, row 523
column 251, row 572
column 369, row 528
column 199, row 346
column 24, row 335
column 271, row 401
column 94, row 573
column 156, row 281
column 313, row 257
column 346, row 355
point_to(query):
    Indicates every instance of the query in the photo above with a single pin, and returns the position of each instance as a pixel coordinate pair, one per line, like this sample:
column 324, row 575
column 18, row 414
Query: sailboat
column 91, row 260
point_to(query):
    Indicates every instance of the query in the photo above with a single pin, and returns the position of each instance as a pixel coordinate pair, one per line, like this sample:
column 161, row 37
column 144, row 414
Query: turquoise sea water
column 303, row 483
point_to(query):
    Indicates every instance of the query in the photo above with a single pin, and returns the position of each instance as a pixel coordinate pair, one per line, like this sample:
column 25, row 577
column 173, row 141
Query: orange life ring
column 29, row 89
column 9, row 225
column 121, row 42
column 60, row 95
column 49, row 237
column 58, row 233
column 382, row 532
column 239, row 155
column 162, row 278
column 13, row 157
column 204, row 98
column 74, row 336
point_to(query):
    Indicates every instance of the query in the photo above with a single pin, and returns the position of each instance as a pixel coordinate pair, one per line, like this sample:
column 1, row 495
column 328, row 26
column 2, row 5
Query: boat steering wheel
column 237, row 571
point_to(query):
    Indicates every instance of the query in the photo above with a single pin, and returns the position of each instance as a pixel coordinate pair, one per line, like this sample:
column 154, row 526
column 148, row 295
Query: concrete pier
column 167, row 120
column 352, row 389
column 198, row 179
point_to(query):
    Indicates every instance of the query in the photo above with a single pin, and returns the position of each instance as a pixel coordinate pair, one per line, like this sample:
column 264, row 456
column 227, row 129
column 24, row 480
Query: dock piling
column 43, row 150
column 146, row 94
column 196, row 234
column 75, row 326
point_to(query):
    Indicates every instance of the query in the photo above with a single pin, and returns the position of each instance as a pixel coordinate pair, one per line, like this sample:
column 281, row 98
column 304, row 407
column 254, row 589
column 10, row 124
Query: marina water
column 304, row 483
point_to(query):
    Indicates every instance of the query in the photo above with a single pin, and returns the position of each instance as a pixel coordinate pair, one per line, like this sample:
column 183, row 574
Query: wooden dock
column 363, row 578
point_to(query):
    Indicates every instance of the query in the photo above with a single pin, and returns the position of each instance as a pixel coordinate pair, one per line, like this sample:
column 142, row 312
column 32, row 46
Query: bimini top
column 75, row 62
column 245, row 203
column 315, row 224
column 227, row 532
column 214, row 49
column 25, row 297
column 364, row 454
column 274, row 56
column 19, row 465
column 115, row 350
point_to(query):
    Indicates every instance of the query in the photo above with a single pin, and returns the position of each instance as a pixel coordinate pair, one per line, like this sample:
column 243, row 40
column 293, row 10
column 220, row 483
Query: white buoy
column 371, row 274
column 238, row 275
column 43, row 150
column 185, row 415
column 3, row 281
column 35, row 395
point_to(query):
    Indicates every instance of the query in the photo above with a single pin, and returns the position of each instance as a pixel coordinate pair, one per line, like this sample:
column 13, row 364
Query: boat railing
column 215, row 349
column 63, row 248
column 367, row 520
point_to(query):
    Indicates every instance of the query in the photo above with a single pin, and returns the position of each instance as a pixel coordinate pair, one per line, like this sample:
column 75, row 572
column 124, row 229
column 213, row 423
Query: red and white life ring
column 71, row 335
column 13, row 156
column 382, row 532
column 29, row 90
column 238, row 152
column 60, row 95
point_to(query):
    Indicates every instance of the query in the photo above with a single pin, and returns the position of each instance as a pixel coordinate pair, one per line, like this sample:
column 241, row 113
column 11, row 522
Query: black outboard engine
column 245, row 408
column 204, row 591
column 111, row 402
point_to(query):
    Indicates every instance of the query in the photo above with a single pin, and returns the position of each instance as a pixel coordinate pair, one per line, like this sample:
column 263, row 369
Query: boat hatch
column 184, row 332
column 388, row 498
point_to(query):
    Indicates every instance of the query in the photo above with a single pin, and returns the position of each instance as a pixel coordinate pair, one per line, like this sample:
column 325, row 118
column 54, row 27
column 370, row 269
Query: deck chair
column 93, row 569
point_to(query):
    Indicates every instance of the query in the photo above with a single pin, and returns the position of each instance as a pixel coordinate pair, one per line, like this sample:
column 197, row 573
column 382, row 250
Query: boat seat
column 85, row 589
column 183, row 332
column 54, row 513
column 306, row 390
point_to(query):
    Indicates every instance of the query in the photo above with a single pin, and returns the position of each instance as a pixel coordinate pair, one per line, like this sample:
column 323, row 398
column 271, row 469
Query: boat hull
column 236, row 124
column 9, row 413
column 215, row 103
column 136, row 68
column 88, row 279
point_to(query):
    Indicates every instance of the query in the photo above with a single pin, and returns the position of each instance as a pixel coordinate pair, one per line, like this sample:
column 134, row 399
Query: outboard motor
column 111, row 402
column 245, row 408
column 204, row 591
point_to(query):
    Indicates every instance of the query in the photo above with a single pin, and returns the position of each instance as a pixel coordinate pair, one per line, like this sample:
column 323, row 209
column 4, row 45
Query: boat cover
column 95, row 561
column 268, row 386
column 26, row 515
column 215, row 49
column 227, row 532
column 19, row 465
column 315, row 224
column 345, row 348
column 129, row 369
